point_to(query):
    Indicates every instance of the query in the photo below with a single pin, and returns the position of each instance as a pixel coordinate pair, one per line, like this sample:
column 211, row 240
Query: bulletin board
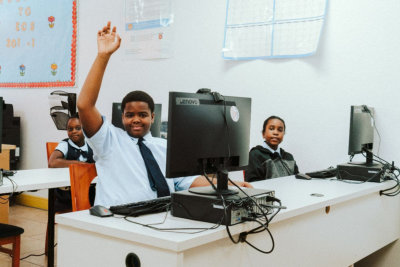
column 37, row 43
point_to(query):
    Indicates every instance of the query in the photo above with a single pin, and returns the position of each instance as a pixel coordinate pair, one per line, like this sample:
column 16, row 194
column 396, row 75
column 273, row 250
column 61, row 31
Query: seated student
column 269, row 160
column 130, row 164
column 73, row 149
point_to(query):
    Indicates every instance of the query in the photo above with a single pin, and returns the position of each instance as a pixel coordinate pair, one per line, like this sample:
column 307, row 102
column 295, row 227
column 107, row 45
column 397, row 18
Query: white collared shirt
column 63, row 148
column 278, row 150
column 122, row 174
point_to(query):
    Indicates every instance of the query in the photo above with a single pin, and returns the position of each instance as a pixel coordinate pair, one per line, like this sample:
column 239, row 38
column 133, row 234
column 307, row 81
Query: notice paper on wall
column 148, row 29
column 257, row 29
column 37, row 43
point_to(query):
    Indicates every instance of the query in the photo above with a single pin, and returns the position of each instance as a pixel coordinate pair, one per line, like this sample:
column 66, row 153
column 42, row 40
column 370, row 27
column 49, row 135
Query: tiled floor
column 34, row 222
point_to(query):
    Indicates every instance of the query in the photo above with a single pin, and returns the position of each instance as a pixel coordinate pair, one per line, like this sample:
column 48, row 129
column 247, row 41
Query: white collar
column 147, row 137
column 265, row 145
column 75, row 145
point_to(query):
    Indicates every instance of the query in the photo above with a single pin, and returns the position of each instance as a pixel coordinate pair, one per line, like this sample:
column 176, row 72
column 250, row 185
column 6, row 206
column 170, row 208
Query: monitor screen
column 116, row 119
column 361, row 137
column 207, row 133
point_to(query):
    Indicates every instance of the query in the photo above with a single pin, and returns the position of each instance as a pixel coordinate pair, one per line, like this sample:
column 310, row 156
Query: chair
column 10, row 234
column 81, row 176
column 50, row 147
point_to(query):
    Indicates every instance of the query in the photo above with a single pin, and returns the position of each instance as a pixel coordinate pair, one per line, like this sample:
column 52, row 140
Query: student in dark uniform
column 73, row 149
column 269, row 160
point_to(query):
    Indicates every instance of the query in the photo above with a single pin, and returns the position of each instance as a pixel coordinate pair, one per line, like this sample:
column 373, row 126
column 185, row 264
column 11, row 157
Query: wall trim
column 32, row 201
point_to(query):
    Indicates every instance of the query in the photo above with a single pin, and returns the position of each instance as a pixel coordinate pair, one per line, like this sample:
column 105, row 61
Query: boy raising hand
column 122, row 157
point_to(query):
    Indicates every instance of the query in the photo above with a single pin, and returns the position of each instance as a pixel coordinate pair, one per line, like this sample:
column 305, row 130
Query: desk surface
column 294, row 193
column 36, row 179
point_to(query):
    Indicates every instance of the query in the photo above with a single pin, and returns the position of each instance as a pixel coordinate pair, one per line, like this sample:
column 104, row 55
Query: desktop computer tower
column 362, row 172
column 208, row 208
column 11, row 134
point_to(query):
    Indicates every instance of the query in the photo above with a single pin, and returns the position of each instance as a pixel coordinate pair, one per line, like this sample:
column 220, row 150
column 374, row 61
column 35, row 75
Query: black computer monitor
column 361, row 137
column 207, row 133
column 116, row 119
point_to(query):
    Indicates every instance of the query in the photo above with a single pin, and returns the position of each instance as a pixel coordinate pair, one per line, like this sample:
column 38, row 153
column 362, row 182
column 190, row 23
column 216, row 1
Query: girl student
column 269, row 160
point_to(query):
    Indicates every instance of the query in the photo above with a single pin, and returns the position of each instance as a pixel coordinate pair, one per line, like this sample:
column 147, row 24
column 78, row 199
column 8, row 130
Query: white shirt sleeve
column 101, row 141
column 184, row 183
column 63, row 148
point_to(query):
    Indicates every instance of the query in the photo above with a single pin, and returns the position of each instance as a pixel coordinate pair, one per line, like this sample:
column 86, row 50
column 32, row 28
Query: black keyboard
column 135, row 209
column 327, row 173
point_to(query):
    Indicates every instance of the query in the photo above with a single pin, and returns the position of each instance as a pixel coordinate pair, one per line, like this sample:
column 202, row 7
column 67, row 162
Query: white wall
column 357, row 63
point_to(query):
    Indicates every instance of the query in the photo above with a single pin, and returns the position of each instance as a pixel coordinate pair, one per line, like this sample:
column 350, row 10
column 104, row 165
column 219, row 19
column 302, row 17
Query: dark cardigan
column 263, row 164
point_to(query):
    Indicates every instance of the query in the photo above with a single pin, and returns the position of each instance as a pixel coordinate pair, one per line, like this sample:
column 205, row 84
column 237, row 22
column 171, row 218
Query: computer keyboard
column 326, row 173
column 135, row 209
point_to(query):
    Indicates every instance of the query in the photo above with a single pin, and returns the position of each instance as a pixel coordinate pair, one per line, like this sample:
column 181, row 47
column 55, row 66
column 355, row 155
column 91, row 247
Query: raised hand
column 108, row 41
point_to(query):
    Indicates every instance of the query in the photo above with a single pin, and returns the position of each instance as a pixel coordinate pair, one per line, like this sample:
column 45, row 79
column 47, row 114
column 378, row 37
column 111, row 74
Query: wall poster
column 37, row 43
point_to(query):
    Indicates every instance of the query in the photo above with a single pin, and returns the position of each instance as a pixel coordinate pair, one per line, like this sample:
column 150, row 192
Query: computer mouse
column 100, row 211
column 303, row 176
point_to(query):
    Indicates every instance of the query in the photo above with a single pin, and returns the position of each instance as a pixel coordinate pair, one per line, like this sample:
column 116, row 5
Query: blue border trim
column 226, row 21
column 273, row 29
column 273, row 21
column 270, row 57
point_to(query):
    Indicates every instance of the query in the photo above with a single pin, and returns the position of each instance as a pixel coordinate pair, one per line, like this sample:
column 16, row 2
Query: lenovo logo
column 187, row 101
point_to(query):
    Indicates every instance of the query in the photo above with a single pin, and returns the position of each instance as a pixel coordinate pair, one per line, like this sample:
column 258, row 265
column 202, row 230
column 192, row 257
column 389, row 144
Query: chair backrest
column 50, row 147
column 81, row 176
column 10, row 234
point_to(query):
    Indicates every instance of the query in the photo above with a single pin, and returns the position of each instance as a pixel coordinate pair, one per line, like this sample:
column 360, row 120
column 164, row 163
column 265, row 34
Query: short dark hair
column 271, row 118
column 138, row 96
column 73, row 116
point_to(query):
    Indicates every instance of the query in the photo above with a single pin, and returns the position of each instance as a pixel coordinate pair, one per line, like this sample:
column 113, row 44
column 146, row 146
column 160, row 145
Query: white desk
column 40, row 179
column 359, row 223
column 37, row 179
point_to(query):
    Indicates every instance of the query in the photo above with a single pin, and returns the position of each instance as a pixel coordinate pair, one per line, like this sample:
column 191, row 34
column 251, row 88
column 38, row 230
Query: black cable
column 259, row 229
column 226, row 127
column 33, row 255
column 5, row 200
column 351, row 157
column 394, row 193
column 208, row 179
column 172, row 230
column 373, row 122
column 244, row 239
column 226, row 223
column 358, row 176
column 255, row 202
column 386, row 166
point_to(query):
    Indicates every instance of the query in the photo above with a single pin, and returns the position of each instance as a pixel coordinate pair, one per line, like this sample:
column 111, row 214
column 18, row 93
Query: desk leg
column 50, row 228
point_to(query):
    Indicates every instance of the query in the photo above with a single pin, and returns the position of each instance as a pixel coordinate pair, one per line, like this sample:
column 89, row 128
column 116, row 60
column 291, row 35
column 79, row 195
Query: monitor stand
column 222, row 186
column 368, row 163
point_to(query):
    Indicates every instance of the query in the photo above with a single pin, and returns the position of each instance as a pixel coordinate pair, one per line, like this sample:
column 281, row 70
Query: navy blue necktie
column 276, row 155
column 83, row 153
column 156, row 178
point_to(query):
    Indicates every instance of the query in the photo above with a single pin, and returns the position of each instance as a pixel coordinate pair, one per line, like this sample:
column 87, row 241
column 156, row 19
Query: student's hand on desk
column 202, row 181
column 108, row 41
column 242, row 184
